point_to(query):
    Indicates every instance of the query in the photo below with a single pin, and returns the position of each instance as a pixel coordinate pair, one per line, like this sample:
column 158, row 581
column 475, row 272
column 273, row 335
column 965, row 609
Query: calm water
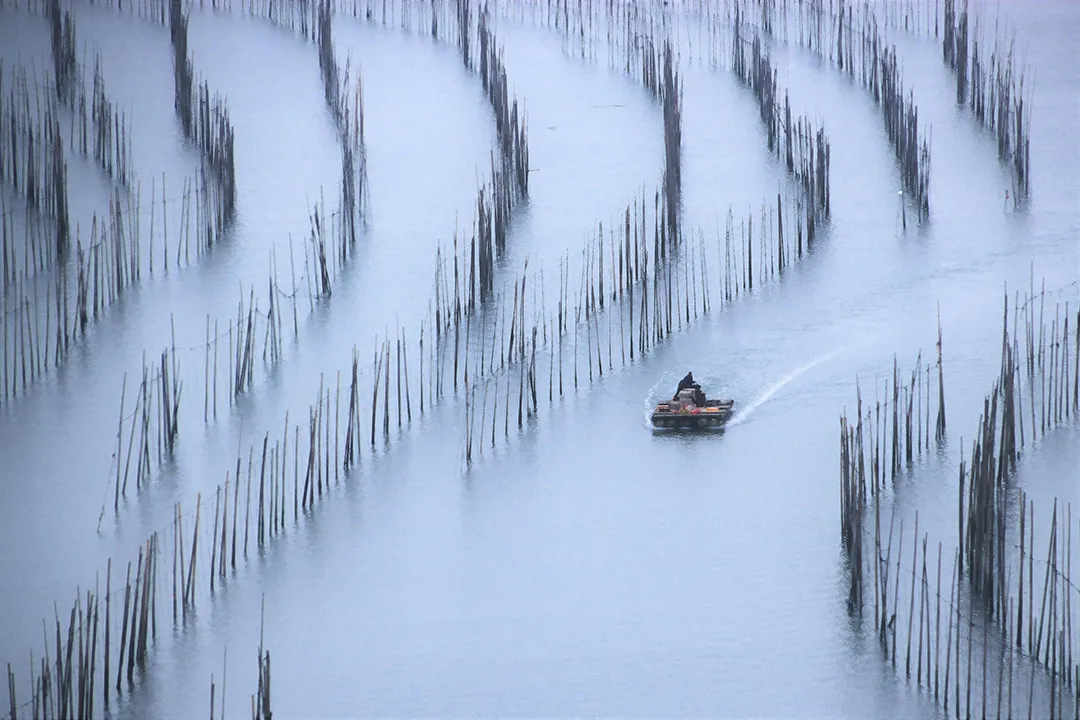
column 588, row 566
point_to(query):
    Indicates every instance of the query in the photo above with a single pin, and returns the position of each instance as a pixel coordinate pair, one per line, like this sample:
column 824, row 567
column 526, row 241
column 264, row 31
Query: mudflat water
column 585, row 564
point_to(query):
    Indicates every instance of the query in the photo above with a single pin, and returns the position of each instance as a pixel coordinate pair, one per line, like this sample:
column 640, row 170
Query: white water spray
column 741, row 415
column 650, row 401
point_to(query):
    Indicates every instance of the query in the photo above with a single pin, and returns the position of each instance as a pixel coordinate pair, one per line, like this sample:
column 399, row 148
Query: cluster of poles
column 79, row 673
column 110, row 137
column 155, row 417
column 987, row 534
column 33, row 165
column 994, row 95
column 849, row 36
column 633, row 264
column 633, row 290
column 470, row 30
column 632, row 31
column 313, row 22
column 44, row 316
column 46, row 313
column 659, row 72
column 69, row 684
column 204, row 120
column 837, row 31
column 346, row 104
column 50, row 293
column 804, row 149
column 896, row 427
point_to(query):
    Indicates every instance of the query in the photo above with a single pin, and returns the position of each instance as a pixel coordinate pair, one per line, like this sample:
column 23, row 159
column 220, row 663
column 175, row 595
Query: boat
column 690, row 410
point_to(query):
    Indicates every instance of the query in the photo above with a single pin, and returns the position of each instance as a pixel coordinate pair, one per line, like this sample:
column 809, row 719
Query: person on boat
column 686, row 382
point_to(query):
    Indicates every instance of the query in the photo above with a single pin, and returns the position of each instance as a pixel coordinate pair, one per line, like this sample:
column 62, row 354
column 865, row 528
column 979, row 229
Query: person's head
column 689, row 374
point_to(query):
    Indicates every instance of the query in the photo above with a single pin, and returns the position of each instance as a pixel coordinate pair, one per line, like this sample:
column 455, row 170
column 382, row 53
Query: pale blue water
column 588, row 566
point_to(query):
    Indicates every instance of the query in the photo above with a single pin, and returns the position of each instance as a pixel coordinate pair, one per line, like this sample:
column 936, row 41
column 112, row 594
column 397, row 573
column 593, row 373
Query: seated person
column 686, row 382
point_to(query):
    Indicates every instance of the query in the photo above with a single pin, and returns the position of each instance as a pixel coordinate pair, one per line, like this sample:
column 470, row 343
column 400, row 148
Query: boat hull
column 713, row 416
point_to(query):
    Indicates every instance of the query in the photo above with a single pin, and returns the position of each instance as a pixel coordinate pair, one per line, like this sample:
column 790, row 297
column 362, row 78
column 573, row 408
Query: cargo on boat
column 691, row 411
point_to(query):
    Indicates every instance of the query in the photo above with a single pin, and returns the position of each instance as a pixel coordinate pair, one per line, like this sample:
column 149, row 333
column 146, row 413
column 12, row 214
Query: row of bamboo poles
column 70, row 684
column 615, row 314
column 849, row 36
column 41, row 276
column 154, row 417
column 632, row 29
column 898, row 422
column 33, row 165
column 111, row 138
column 646, row 53
column 347, row 107
column 651, row 58
column 995, row 95
column 204, row 120
column 986, row 504
column 313, row 22
column 1050, row 684
column 110, row 134
column 1049, row 367
column 510, row 124
column 508, row 180
column 804, row 149
column 1052, row 399
column 44, row 316
column 471, row 32
column 662, row 295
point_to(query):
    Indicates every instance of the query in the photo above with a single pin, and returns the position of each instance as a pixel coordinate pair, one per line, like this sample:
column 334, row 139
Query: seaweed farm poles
column 996, row 449
column 155, row 417
column 629, row 300
column 69, row 684
column 68, row 297
column 897, row 429
column 988, row 537
column 204, row 121
column 34, row 165
column 346, row 105
column 111, row 136
column 107, row 258
column 112, row 142
column 1004, row 653
column 856, row 46
column 671, row 99
column 804, row 149
column 510, row 125
column 978, row 666
column 995, row 95
column 901, row 125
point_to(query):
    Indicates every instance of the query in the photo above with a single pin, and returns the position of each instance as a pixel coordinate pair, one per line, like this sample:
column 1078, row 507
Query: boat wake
column 742, row 414
column 650, row 402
